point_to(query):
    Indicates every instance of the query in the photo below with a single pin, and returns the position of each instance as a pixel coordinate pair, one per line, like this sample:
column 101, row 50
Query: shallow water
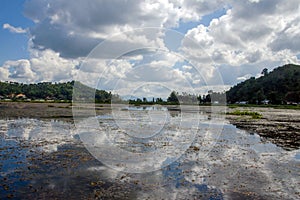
column 46, row 160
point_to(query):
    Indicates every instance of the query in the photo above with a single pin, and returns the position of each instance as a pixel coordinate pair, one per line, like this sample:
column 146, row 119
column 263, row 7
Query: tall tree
column 173, row 98
column 264, row 72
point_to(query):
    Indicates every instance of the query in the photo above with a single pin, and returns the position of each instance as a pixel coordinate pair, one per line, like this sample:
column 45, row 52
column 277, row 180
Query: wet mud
column 280, row 126
column 42, row 157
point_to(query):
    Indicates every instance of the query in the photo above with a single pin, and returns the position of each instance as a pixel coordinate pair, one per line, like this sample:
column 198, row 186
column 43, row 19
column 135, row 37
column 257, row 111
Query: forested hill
column 280, row 86
column 47, row 91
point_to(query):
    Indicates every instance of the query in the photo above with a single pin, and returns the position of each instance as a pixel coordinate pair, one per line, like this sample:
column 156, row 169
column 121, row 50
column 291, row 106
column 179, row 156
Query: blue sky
column 46, row 40
column 13, row 46
column 205, row 20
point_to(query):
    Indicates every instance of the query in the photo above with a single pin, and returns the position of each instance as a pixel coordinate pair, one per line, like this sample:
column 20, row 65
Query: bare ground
column 280, row 126
column 62, row 111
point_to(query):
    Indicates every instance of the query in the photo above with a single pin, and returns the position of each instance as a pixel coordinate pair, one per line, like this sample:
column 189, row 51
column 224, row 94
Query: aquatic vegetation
column 254, row 115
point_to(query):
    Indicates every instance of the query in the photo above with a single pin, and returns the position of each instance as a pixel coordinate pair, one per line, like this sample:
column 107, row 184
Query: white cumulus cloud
column 250, row 36
column 13, row 29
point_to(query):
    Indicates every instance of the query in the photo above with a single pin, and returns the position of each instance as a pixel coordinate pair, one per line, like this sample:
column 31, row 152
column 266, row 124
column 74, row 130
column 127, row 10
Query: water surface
column 46, row 159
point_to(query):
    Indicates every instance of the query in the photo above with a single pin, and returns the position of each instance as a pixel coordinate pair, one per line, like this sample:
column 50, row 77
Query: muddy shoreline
column 42, row 157
column 280, row 126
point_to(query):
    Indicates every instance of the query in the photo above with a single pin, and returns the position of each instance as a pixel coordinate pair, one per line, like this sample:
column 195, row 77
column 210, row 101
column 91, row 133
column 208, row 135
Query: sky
column 147, row 47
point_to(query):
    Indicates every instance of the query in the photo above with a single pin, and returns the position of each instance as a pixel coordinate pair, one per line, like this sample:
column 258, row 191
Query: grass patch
column 254, row 115
column 294, row 107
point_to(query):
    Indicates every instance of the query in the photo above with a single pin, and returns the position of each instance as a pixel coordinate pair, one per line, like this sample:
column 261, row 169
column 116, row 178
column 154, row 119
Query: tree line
column 281, row 86
column 176, row 98
column 49, row 91
column 64, row 91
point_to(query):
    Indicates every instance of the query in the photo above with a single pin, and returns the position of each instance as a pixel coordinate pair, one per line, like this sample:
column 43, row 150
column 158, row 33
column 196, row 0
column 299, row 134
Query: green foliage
column 254, row 115
column 52, row 91
column 294, row 107
column 280, row 86
column 139, row 101
column 46, row 90
column 184, row 99
column 173, row 98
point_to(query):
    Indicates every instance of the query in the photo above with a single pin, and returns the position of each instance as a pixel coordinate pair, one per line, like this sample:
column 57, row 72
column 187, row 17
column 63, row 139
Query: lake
column 147, row 153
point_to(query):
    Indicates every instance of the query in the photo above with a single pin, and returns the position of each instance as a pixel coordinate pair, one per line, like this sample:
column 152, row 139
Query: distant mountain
column 280, row 86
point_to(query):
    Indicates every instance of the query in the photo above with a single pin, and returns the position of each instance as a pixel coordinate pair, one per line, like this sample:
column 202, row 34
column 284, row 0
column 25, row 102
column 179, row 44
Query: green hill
column 49, row 91
column 280, row 86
